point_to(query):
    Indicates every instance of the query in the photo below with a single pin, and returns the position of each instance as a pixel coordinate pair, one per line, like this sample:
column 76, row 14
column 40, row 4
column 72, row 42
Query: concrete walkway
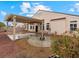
column 35, row 41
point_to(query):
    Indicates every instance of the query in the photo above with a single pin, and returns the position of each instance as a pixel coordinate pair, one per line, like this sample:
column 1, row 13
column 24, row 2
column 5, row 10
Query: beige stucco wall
column 47, row 16
column 59, row 25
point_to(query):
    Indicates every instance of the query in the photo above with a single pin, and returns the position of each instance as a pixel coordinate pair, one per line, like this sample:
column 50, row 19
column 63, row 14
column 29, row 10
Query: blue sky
column 28, row 8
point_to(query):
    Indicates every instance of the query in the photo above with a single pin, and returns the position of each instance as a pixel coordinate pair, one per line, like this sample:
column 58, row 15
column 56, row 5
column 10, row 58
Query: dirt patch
column 8, row 48
column 21, row 49
column 31, row 51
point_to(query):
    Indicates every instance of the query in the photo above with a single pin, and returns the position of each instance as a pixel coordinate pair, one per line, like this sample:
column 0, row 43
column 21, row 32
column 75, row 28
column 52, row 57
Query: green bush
column 2, row 24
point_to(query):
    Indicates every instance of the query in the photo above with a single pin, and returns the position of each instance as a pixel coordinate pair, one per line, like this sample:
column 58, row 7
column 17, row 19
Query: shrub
column 65, row 46
column 2, row 24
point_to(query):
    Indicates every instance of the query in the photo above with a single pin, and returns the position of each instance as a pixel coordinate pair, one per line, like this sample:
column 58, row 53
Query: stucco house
column 50, row 22
column 57, row 22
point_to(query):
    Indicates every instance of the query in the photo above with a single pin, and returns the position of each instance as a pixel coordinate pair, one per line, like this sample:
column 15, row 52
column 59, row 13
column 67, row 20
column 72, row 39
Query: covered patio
column 25, row 20
column 38, row 39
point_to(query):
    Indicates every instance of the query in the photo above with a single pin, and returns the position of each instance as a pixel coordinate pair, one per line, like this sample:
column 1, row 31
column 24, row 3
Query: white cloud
column 41, row 7
column 3, row 13
column 34, row 9
column 25, row 6
column 30, row 8
column 36, row 3
column 72, row 10
column 76, row 6
column 12, row 7
column 29, row 15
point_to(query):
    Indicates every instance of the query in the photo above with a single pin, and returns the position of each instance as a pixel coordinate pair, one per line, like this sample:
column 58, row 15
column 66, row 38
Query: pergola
column 22, row 19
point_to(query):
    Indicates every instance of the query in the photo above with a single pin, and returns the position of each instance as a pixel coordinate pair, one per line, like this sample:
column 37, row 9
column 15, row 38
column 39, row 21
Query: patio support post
column 24, row 27
column 7, row 24
column 42, row 38
column 14, row 25
column 38, row 27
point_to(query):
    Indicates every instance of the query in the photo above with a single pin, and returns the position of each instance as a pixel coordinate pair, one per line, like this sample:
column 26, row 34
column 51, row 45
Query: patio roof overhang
column 22, row 19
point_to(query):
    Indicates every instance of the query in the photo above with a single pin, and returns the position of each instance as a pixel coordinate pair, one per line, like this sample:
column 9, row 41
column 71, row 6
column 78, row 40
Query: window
column 73, row 26
column 30, row 27
column 47, row 26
